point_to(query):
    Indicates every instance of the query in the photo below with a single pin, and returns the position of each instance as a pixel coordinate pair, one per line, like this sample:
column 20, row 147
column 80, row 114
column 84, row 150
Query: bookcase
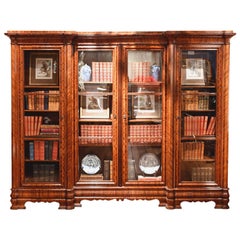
column 119, row 115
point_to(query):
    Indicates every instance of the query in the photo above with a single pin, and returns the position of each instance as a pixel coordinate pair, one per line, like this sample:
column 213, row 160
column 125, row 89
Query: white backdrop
column 123, row 219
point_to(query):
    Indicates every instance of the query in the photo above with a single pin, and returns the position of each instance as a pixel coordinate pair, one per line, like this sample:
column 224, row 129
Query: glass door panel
column 95, row 103
column 144, row 115
column 41, row 116
column 198, row 115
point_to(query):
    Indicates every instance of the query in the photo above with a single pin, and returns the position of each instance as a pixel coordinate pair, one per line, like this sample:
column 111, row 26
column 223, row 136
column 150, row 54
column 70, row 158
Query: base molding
column 71, row 198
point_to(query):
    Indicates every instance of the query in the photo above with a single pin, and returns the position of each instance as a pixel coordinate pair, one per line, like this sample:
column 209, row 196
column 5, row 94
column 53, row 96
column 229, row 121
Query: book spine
column 31, row 150
column 106, row 169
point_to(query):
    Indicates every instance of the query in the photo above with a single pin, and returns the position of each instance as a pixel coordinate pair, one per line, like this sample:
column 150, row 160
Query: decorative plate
column 149, row 163
column 91, row 164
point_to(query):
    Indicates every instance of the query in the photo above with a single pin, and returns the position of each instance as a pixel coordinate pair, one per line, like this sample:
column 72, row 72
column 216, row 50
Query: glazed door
column 198, row 123
column 97, row 116
column 41, row 124
column 144, row 83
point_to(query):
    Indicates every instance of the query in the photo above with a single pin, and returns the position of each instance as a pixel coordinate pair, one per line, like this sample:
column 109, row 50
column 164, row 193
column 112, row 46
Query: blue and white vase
column 155, row 69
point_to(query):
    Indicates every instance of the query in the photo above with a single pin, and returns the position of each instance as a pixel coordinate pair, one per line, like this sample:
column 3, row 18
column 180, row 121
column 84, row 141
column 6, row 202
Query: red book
column 55, row 150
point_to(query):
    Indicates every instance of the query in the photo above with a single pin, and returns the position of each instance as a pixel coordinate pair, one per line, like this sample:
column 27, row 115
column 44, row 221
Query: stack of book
column 32, row 125
column 199, row 125
column 140, row 72
column 145, row 133
column 42, row 100
column 194, row 100
column 102, row 71
column 202, row 174
column 192, row 150
column 49, row 129
column 149, row 178
column 44, row 173
column 91, row 177
column 43, row 150
column 95, row 134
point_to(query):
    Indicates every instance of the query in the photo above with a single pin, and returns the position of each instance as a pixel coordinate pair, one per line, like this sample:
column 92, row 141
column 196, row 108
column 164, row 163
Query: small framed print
column 193, row 71
column 43, row 68
column 146, row 106
column 94, row 106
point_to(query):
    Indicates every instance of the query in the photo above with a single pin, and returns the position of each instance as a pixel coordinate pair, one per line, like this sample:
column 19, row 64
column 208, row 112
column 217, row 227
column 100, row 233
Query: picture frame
column 43, row 68
column 193, row 71
column 94, row 106
column 146, row 105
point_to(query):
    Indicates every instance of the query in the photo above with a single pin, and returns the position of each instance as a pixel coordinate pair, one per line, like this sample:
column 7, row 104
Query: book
column 199, row 125
column 192, row 151
column 42, row 100
column 43, row 173
column 106, row 169
column 149, row 178
column 49, row 129
column 31, row 150
column 95, row 134
column 202, row 174
column 131, row 169
column 142, row 133
column 43, row 150
column 190, row 100
column 140, row 72
column 54, row 150
column 102, row 71
column 195, row 100
column 93, row 177
column 32, row 125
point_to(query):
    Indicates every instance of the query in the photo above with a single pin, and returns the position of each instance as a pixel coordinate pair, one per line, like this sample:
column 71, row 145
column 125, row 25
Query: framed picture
column 193, row 71
column 146, row 106
column 94, row 106
column 43, row 68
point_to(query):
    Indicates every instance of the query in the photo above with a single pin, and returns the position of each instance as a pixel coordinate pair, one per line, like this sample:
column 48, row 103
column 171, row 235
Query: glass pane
column 144, row 115
column 41, row 117
column 95, row 81
column 144, row 66
column 198, row 104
